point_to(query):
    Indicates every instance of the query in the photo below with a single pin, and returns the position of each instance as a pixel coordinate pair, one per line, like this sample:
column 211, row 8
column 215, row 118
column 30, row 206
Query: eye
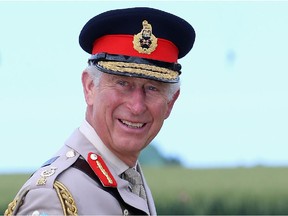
column 122, row 82
column 152, row 88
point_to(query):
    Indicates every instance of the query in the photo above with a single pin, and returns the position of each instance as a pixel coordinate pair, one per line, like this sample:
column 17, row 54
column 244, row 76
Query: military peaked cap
column 140, row 42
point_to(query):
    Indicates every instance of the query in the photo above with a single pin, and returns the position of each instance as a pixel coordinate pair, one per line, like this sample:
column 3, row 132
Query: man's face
column 127, row 113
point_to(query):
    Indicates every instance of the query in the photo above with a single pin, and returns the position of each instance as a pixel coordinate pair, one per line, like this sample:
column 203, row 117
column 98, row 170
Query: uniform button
column 70, row 154
column 126, row 212
column 93, row 156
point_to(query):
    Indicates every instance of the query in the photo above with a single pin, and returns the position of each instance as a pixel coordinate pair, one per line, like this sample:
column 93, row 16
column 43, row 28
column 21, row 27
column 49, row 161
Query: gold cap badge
column 145, row 41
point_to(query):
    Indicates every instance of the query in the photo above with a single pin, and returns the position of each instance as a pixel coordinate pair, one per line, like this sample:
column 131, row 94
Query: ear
column 171, row 103
column 88, row 88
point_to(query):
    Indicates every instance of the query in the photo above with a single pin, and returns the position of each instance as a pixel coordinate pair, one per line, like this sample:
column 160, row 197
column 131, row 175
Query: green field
column 241, row 191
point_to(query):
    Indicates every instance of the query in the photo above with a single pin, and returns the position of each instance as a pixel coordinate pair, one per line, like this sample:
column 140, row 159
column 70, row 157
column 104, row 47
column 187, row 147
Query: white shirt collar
column 88, row 131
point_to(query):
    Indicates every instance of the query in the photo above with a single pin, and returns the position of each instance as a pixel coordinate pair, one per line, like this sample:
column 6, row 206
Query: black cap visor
column 136, row 67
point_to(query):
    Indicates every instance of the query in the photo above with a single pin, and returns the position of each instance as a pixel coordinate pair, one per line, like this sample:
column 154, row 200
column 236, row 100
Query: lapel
column 79, row 143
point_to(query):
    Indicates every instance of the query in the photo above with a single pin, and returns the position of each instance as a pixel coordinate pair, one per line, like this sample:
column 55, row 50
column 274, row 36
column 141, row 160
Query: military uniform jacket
column 67, row 185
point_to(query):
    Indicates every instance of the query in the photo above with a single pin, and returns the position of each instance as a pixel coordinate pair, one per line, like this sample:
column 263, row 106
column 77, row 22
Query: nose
column 136, row 101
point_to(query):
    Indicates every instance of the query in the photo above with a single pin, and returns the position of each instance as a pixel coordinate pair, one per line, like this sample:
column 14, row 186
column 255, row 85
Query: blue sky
column 233, row 105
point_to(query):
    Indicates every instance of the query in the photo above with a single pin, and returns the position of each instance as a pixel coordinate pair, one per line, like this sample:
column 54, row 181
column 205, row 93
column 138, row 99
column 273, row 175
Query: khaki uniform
column 78, row 180
column 67, row 185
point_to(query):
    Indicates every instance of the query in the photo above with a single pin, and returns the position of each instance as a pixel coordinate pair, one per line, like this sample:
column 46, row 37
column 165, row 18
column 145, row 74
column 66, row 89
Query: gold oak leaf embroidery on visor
column 148, row 70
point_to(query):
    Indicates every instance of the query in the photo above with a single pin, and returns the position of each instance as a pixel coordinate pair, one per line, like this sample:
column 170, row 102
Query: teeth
column 132, row 125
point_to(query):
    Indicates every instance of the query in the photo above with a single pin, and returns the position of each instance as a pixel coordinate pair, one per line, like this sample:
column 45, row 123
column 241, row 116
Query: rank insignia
column 145, row 42
column 101, row 170
column 46, row 173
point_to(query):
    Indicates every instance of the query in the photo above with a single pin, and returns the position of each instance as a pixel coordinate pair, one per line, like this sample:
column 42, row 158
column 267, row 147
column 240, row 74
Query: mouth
column 134, row 125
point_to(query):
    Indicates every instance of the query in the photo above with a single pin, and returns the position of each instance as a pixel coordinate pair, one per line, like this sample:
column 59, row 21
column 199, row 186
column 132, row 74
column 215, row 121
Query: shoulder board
column 44, row 177
column 49, row 171
column 101, row 170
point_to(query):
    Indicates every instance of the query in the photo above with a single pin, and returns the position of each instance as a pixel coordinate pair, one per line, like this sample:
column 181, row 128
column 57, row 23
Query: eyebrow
column 128, row 78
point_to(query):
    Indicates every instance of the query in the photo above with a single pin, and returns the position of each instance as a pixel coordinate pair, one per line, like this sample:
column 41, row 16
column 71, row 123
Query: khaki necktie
column 135, row 180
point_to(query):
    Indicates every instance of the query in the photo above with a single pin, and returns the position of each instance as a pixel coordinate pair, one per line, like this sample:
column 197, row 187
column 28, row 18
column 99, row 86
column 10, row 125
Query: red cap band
column 123, row 45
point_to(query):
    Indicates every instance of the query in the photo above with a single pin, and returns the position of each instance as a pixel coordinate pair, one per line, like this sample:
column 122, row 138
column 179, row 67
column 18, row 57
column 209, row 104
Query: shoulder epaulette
column 45, row 177
column 47, row 174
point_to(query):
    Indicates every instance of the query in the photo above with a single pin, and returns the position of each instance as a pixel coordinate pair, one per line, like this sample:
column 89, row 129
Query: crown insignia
column 145, row 41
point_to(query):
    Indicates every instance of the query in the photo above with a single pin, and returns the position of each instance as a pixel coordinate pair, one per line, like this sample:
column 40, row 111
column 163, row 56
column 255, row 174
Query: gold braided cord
column 68, row 204
column 11, row 207
column 144, row 69
column 104, row 172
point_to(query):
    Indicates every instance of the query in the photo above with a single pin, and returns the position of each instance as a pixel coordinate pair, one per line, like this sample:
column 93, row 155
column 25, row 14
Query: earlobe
column 88, row 88
column 171, row 103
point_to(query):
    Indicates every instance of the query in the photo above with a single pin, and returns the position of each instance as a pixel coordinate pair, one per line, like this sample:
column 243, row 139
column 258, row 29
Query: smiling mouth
column 132, row 124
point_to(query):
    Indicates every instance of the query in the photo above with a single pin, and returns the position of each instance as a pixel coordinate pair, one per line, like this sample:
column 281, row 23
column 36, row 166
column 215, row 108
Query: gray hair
column 95, row 74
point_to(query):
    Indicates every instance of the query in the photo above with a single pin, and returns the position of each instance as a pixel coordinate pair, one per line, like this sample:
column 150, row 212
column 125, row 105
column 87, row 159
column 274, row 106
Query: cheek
column 101, row 116
column 159, row 110
column 105, row 104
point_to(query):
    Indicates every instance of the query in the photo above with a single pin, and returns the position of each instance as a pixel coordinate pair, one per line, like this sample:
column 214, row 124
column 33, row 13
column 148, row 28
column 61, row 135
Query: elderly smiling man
column 130, row 86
